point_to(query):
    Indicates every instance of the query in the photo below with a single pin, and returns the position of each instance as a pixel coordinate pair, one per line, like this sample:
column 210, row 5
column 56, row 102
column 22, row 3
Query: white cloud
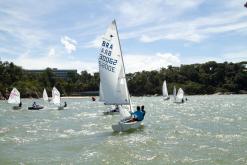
column 139, row 12
column 53, row 59
column 164, row 20
column 139, row 62
column 95, row 43
column 69, row 44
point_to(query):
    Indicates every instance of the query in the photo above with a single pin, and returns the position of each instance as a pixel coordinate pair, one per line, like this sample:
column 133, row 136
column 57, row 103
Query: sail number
column 107, row 45
column 104, row 60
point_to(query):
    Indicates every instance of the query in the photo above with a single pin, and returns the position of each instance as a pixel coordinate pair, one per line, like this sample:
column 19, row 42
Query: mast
column 114, row 22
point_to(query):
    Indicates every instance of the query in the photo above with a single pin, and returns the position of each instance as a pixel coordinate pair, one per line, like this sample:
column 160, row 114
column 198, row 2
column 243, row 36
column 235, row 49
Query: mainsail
column 174, row 93
column 45, row 96
column 14, row 97
column 111, row 67
column 180, row 94
column 113, row 83
column 101, row 94
column 55, row 96
column 165, row 93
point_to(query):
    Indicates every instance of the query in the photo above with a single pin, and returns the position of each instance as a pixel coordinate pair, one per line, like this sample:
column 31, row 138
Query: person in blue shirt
column 138, row 115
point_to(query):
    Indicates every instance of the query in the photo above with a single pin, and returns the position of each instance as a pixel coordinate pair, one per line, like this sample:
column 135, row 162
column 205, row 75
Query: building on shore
column 59, row 73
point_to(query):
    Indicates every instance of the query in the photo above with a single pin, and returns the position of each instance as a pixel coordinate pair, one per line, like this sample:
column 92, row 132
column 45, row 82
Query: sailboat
column 113, row 84
column 165, row 92
column 45, row 96
column 179, row 97
column 56, row 99
column 14, row 98
column 174, row 93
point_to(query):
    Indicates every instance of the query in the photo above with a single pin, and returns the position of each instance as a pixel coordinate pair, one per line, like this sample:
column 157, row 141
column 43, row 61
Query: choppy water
column 204, row 130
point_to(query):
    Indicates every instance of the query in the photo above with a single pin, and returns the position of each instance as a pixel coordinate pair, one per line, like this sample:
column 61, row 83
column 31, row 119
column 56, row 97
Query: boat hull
column 124, row 126
column 60, row 108
column 111, row 113
column 166, row 98
column 180, row 102
column 16, row 107
column 35, row 108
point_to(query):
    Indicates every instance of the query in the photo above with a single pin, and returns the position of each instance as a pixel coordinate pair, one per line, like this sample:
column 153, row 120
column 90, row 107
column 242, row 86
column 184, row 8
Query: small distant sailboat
column 165, row 92
column 174, row 93
column 45, row 96
column 113, row 84
column 56, row 99
column 179, row 97
column 14, row 98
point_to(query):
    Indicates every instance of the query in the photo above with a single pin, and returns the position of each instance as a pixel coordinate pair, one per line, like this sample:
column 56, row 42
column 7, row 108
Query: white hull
column 123, row 127
column 178, row 102
column 166, row 98
column 60, row 108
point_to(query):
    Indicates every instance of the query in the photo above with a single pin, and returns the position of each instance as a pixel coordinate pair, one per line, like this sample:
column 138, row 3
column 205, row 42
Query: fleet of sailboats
column 113, row 85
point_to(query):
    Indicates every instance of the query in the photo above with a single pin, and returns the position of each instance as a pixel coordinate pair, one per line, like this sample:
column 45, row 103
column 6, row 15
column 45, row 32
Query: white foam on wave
column 84, row 114
column 88, row 154
column 4, row 130
column 229, row 138
column 71, row 132
column 21, row 140
column 222, row 119
column 145, row 157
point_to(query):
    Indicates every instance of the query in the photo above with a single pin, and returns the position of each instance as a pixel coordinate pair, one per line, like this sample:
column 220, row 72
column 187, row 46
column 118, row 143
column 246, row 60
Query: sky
column 153, row 33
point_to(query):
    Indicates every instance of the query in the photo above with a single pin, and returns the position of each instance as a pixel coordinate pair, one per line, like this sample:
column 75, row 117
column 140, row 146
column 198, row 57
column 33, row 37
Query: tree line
column 207, row 78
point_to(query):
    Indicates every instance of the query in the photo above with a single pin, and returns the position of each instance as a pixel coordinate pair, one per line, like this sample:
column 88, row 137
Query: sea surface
column 204, row 130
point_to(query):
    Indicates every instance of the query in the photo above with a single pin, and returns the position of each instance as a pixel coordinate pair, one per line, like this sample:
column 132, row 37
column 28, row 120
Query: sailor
column 20, row 104
column 65, row 104
column 116, row 109
column 34, row 104
column 142, row 109
column 138, row 115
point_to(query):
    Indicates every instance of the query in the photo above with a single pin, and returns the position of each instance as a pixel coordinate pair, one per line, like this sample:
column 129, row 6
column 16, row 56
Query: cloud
column 53, row 59
column 173, row 20
column 140, row 62
column 69, row 44
column 139, row 12
column 94, row 43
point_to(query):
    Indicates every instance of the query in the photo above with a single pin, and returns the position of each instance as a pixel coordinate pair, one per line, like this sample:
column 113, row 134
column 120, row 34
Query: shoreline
column 89, row 97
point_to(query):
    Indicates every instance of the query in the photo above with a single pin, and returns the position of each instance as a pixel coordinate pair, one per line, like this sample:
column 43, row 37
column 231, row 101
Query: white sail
column 180, row 94
column 174, row 93
column 101, row 94
column 14, row 97
column 55, row 96
column 45, row 96
column 111, row 69
column 165, row 93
